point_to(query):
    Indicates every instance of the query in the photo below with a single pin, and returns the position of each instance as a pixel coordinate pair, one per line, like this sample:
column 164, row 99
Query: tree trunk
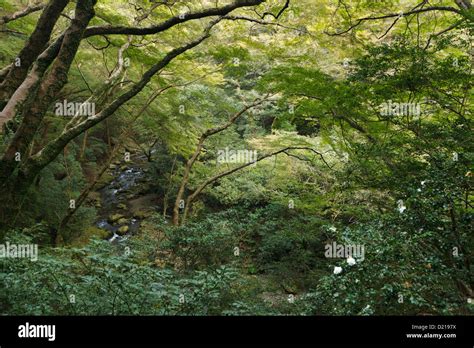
column 33, row 47
column 47, row 90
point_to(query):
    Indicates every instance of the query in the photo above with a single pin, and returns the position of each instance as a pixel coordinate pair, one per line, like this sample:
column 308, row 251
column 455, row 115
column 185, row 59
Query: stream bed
column 114, row 215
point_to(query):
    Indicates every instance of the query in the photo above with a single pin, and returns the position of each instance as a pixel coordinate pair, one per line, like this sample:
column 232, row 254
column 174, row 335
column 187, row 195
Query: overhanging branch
column 21, row 13
column 399, row 15
column 217, row 177
column 219, row 11
column 53, row 148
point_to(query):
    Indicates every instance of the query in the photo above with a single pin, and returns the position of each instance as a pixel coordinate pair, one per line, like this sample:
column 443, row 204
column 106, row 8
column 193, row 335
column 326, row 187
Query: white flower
column 401, row 206
column 332, row 229
column 418, row 190
column 351, row 261
column 469, row 300
column 423, row 183
column 337, row 270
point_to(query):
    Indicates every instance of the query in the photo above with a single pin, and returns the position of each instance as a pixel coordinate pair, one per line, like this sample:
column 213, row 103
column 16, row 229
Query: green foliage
column 48, row 200
column 108, row 280
column 202, row 243
column 257, row 236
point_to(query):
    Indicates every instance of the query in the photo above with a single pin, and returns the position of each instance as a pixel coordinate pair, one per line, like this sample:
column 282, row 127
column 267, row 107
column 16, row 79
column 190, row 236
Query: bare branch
column 399, row 15
column 215, row 178
column 21, row 13
column 258, row 21
column 219, row 11
column 451, row 27
column 287, row 4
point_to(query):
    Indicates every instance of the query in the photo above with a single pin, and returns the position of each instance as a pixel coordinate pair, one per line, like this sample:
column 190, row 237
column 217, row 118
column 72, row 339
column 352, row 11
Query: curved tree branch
column 197, row 152
column 53, row 148
column 398, row 15
column 287, row 4
column 21, row 13
column 219, row 11
column 216, row 177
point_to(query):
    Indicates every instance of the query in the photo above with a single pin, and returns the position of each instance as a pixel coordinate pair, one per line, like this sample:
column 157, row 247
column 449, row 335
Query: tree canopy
column 237, row 157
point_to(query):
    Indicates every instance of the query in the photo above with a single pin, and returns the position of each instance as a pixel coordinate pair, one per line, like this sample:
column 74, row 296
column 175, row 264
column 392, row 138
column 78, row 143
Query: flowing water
column 114, row 194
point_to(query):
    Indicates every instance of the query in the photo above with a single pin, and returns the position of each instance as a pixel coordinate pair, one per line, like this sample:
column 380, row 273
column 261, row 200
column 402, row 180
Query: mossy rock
column 114, row 217
column 89, row 233
column 105, row 179
column 122, row 221
column 141, row 214
column 122, row 230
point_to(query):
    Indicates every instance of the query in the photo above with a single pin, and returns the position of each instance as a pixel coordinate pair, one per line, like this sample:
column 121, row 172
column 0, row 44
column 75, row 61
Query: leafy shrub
column 103, row 279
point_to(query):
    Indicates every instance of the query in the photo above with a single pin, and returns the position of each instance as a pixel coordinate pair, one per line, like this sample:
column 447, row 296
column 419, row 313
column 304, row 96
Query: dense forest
column 236, row 157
